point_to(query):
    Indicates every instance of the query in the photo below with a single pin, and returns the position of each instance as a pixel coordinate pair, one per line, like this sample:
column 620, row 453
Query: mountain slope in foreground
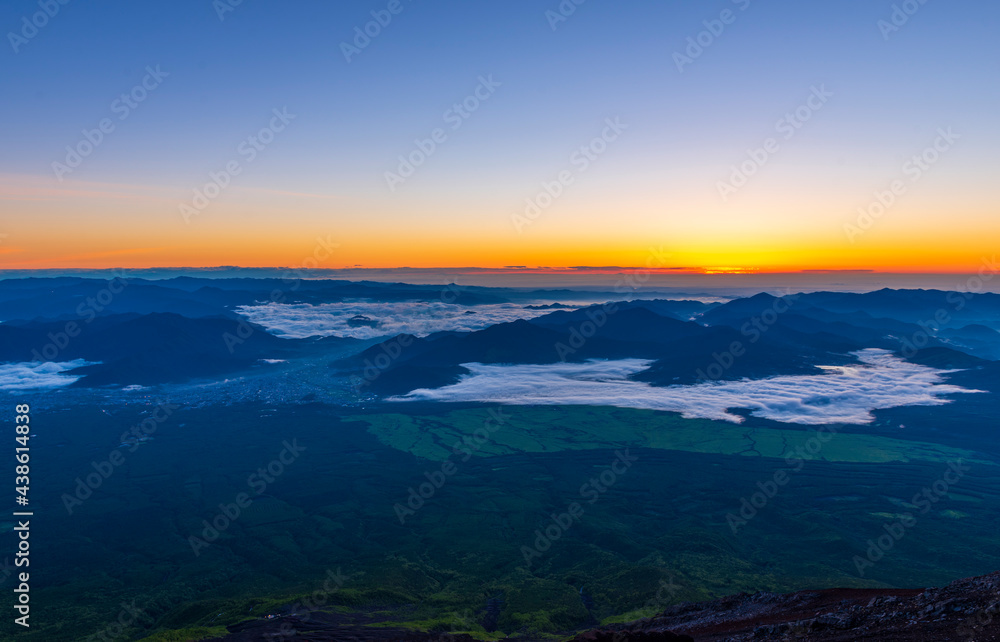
column 967, row 610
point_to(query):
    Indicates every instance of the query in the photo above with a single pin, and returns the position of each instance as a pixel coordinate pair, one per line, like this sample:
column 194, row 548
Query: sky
column 726, row 136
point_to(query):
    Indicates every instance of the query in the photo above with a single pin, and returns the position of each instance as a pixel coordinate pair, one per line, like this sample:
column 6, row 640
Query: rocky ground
column 966, row 610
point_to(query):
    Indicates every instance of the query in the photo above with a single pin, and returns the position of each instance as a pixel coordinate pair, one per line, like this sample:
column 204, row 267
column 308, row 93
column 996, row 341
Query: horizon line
column 509, row 269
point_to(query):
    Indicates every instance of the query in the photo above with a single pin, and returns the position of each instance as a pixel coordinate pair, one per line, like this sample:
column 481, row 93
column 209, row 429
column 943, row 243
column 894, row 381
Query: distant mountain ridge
column 147, row 349
column 173, row 330
column 755, row 337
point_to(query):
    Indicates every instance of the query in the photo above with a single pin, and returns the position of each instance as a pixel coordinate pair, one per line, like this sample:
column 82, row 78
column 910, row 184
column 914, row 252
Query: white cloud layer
column 300, row 320
column 31, row 375
column 845, row 394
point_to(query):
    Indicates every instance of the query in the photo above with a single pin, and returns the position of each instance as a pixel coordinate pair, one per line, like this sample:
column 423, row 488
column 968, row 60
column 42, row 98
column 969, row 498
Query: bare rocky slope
column 966, row 610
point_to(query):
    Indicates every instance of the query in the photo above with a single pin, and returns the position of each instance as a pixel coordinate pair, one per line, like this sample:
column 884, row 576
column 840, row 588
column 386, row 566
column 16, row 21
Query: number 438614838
column 21, row 452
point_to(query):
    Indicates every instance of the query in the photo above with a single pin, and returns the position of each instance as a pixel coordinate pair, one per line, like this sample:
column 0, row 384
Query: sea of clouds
column 844, row 394
column 300, row 320
column 36, row 375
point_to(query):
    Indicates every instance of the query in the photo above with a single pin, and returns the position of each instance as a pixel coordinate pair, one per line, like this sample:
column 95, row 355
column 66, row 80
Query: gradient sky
column 655, row 186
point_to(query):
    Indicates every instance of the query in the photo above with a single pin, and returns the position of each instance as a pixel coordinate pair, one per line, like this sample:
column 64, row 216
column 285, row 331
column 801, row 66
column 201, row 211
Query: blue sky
column 557, row 85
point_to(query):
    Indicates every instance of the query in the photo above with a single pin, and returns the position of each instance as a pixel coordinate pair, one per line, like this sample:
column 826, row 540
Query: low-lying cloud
column 34, row 375
column 845, row 394
column 300, row 320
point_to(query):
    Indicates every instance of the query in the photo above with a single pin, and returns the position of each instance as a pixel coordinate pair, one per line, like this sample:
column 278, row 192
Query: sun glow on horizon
column 82, row 224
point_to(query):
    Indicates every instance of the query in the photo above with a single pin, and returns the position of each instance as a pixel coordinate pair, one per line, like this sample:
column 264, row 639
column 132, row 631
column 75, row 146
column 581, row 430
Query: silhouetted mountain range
column 147, row 349
column 72, row 297
column 176, row 329
column 755, row 337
